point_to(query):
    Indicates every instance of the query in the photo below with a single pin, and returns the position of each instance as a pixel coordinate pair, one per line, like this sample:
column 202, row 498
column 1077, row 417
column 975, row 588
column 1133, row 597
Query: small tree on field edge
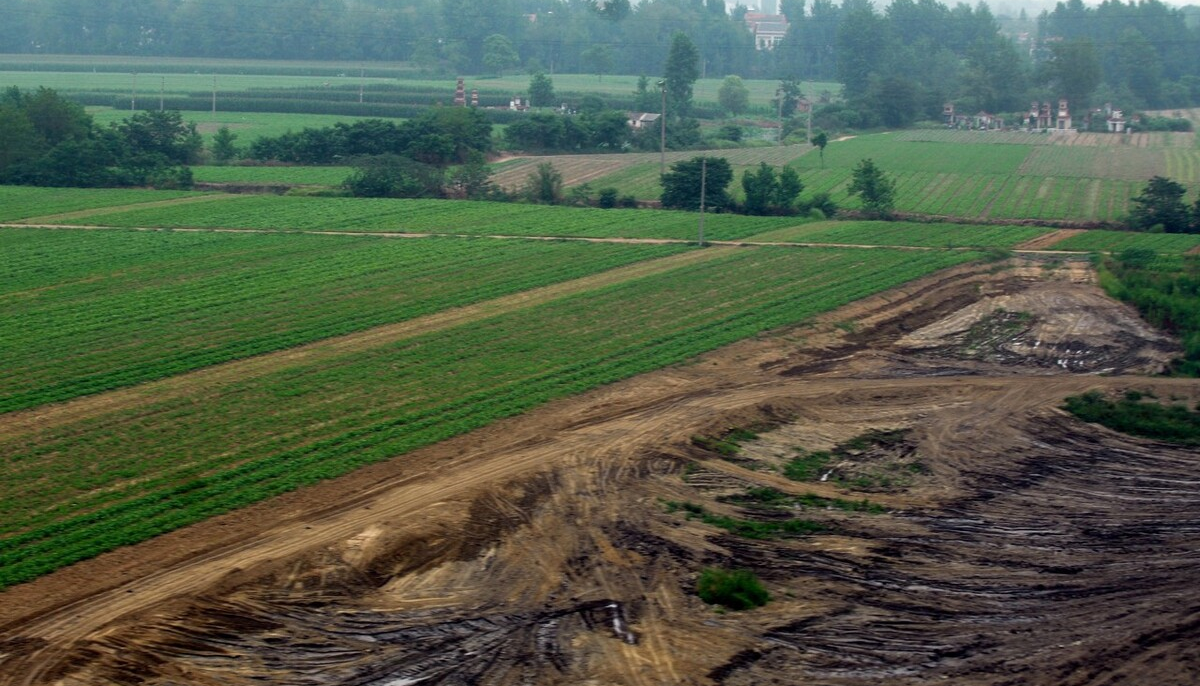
column 876, row 191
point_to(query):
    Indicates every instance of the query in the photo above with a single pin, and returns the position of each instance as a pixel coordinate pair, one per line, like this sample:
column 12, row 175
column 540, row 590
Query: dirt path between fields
column 1021, row 546
column 195, row 383
column 1049, row 239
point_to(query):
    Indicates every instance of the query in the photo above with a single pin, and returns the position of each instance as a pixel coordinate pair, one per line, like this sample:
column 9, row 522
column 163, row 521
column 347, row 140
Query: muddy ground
column 1001, row 541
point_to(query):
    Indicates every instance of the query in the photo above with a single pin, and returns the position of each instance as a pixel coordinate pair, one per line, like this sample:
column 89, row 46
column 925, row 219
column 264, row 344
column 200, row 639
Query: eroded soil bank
column 971, row 531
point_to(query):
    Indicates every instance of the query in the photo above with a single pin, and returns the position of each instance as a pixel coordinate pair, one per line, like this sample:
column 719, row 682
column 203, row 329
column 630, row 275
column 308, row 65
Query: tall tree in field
column 733, row 95
column 681, row 185
column 498, row 54
column 876, row 191
column 598, row 60
column 1074, row 71
column 541, row 90
column 820, row 139
column 680, row 72
column 1160, row 206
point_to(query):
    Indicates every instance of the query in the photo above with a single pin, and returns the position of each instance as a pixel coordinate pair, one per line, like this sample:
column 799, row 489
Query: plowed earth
column 1019, row 545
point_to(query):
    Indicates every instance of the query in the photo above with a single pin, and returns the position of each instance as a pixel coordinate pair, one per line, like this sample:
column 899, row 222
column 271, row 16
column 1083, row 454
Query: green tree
column 680, row 73
column 471, row 181
column 544, row 185
column 598, row 59
column 768, row 193
column 733, row 95
column 876, row 191
column 1073, row 71
column 393, row 176
column 644, row 99
column 1160, row 204
column 681, row 185
column 820, row 139
column 787, row 96
column 498, row 53
column 223, row 147
column 541, row 90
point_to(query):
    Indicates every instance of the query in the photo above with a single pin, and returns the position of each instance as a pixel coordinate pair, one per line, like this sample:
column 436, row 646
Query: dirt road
column 1020, row 546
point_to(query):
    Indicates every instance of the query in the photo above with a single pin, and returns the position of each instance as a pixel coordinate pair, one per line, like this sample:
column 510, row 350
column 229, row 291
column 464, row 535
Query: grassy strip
column 1118, row 241
column 441, row 216
column 1165, row 290
column 75, row 490
column 1135, row 416
column 316, row 176
column 906, row 234
column 744, row 527
column 22, row 202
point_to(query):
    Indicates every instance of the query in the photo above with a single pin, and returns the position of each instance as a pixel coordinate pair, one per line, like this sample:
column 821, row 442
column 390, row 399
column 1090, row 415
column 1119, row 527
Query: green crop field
column 1116, row 241
column 248, row 126
column 905, row 234
column 121, row 308
column 87, row 484
column 317, row 176
column 22, row 202
column 434, row 216
column 895, row 155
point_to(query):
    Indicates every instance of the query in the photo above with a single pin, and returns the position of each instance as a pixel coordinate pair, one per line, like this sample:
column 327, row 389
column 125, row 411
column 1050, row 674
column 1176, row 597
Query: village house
column 643, row 120
column 768, row 27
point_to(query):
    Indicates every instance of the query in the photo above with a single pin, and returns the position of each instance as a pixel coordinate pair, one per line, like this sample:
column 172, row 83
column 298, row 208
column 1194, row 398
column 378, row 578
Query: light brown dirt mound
column 1028, row 548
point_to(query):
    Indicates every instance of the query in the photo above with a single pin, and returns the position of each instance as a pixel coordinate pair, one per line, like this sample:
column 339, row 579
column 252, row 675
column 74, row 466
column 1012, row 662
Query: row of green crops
column 906, row 234
column 1117, row 241
column 894, row 155
column 437, row 216
column 74, row 490
column 22, row 202
column 120, row 308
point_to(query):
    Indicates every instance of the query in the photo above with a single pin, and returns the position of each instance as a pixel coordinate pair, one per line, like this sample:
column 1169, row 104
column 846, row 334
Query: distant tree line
column 46, row 140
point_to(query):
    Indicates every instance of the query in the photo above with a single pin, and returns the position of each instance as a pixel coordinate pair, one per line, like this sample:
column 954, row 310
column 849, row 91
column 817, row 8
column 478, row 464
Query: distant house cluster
column 768, row 26
column 983, row 121
column 1039, row 117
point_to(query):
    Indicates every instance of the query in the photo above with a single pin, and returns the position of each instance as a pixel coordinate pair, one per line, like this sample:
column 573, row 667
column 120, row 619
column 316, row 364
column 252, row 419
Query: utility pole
column 662, row 136
column 133, row 94
column 361, row 73
column 703, row 188
column 810, row 112
column 214, row 98
column 162, row 92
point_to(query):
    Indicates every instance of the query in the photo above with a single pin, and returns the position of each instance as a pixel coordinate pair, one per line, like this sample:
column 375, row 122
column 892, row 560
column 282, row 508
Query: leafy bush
column 737, row 589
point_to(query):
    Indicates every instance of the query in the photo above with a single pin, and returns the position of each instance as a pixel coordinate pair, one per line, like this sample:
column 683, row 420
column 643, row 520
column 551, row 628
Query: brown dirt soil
column 1046, row 240
column 1022, row 546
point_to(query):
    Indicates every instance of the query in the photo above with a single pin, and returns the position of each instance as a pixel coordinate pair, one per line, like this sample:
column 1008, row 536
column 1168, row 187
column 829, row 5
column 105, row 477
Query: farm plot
column 1096, row 163
column 438, row 216
column 75, row 489
column 23, row 202
column 1183, row 165
column 896, row 155
column 906, row 234
column 248, row 126
column 973, row 137
column 316, row 176
column 121, row 308
column 1116, row 241
column 597, row 169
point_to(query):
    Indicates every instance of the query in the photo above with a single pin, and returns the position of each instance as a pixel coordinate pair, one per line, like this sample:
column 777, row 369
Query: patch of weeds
column 689, row 469
column 847, row 325
column 807, row 466
column 736, row 589
column 744, row 527
column 1129, row 415
column 772, row 498
column 728, row 445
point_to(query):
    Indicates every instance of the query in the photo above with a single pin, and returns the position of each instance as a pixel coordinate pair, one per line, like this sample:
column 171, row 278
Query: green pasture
column 247, row 125
column 1117, row 241
column 912, row 234
column 24, row 202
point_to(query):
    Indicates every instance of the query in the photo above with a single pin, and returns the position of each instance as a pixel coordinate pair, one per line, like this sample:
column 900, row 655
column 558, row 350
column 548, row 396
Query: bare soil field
column 1009, row 543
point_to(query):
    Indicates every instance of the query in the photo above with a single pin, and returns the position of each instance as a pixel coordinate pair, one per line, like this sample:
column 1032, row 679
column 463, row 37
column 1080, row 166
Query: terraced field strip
column 1116, row 241
column 1137, row 164
column 458, row 217
column 906, row 234
column 76, row 489
column 122, row 308
column 84, row 214
column 23, row 202
column 316, row 176
column 1183, row 165
column 894, row 154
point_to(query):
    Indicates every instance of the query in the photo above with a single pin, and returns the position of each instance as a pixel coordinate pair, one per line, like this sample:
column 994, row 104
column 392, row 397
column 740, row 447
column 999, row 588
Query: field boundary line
column 206, row 379
column 81, row 214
